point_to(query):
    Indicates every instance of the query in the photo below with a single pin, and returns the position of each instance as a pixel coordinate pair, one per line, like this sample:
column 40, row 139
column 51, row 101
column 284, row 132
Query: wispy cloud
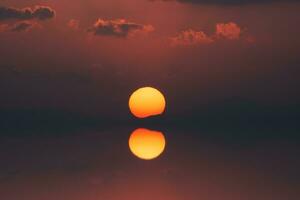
column 190, row 37
column 17, row 27
column 73, row 24
column 118, row 28
column 224, row 31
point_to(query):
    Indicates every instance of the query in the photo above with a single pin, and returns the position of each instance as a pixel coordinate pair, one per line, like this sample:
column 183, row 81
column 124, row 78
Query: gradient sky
column 62, row 61
column 90, row 55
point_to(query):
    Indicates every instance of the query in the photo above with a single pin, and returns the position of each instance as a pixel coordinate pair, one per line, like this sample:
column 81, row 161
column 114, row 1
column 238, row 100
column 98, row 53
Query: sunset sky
column 149, row 99
column 88, row 56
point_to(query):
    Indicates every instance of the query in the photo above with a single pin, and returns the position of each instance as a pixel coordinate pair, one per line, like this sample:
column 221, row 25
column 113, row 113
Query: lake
column 195, row 165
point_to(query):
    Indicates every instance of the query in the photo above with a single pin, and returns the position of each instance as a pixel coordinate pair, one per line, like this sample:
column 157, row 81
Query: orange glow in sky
column 146, row 144
column 147, row 101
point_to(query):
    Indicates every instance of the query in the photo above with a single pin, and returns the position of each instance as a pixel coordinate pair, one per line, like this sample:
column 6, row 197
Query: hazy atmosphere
column 149, row 99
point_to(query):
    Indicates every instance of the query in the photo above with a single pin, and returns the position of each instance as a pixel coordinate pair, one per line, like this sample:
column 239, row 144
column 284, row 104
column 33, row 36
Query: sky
column 88, row 56
column 229, row 71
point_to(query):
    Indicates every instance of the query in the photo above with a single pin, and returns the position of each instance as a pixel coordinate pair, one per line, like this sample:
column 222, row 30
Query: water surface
column 91, row 165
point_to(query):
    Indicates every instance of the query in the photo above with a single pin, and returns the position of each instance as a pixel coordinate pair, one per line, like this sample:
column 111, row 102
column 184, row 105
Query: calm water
column 98, row 165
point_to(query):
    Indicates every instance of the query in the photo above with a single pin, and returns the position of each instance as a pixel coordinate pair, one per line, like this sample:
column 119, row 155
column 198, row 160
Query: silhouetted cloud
column 22, row 26
column 39, row 12
column 227, row 31
column 17, row 27
column 229, row 2
column 118, row 28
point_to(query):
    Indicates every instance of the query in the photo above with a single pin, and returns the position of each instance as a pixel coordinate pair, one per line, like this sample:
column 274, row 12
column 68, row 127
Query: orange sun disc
column 146, row 102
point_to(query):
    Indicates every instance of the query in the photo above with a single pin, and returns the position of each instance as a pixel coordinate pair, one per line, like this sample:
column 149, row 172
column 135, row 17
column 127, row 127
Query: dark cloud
column 230, row 2
column 22, row 26
column 118, row 28
column 17, row 27
column 39, row 12
column 43, row 13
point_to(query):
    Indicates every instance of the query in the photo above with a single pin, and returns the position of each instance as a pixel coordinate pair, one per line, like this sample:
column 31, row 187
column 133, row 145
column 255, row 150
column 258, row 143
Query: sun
column 146, row 102
column 146, row 144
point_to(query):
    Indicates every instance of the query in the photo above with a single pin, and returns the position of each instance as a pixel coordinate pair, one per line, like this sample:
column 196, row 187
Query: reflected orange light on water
column 146, row 144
